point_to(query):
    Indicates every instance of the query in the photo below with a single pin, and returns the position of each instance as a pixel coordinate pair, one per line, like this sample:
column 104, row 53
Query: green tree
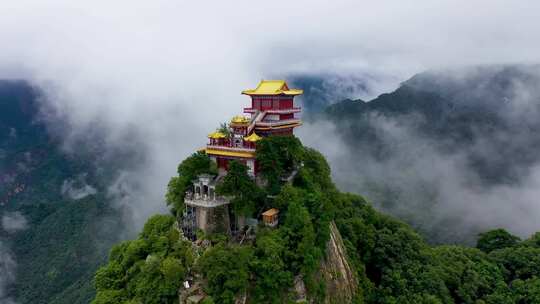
column 526, row 292
column 109, row 297
column 245, row 192
column 272, row 275
column 149, row 269
column 224, row 128
column 110, row 276
column 227, row 270
column 198, row 163
column 278, row 156
column 520, row 262
column 496, row 239
column 299, row 235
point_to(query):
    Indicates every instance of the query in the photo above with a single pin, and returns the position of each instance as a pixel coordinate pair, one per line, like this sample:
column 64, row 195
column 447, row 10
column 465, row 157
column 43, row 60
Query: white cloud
column 77, row 190
column 437, row 191
column 12, row 132
column 164, row 73
column 7, row 273
column 13, row 221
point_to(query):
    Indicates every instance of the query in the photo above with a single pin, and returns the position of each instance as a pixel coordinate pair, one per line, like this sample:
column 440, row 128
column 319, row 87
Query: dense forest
column 392, row 263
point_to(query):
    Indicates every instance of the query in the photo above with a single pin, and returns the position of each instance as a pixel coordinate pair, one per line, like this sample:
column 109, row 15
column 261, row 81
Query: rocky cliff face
column 338, row 275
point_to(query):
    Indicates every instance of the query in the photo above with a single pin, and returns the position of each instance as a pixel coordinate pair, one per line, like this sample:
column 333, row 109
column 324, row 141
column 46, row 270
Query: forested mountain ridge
column 446, row 149
column 456, row 108
column 52, row 208
column 391, row 263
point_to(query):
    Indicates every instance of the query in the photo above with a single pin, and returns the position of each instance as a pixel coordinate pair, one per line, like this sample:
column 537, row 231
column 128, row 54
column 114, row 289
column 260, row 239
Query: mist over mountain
column 453, row 152
column 324, row 89
column 56, row 209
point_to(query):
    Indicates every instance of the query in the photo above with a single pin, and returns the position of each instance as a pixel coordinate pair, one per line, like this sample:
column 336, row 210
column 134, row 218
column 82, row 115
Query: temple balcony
column 274, row 123
column 204, row 200
column 274, row 111
column 245, row 147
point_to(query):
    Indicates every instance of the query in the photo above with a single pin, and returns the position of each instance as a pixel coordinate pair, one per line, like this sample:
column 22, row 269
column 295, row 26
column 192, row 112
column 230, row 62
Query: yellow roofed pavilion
column 273, row 87
column 216, row 135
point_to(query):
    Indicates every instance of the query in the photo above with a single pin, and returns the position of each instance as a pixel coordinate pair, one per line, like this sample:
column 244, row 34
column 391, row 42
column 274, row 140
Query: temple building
column 272, row 112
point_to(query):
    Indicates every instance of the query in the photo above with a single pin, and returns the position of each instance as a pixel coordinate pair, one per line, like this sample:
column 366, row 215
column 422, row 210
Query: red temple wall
column 264, row 103
column 285, row 104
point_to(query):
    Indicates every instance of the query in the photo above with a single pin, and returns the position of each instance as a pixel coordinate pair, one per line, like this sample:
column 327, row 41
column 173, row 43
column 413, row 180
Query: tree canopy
column 393, row 263
column 149, row 269
column 496, row 239
column 198, row 163
column 242, row 188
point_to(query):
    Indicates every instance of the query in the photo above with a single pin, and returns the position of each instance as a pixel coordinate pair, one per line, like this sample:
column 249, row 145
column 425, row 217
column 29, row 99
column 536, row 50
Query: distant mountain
column 442, row 144
column 323, row 89
column 55, row 216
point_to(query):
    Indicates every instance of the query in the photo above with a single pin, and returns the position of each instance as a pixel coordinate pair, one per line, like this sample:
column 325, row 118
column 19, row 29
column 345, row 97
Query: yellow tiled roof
column 253, row 137
column 230, row 153
column 273, row 87
column 216, row 135
column 240, row 120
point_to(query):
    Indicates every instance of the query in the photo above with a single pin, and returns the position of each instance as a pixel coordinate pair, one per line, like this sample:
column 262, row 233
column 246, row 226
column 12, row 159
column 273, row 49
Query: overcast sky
column 172, row 70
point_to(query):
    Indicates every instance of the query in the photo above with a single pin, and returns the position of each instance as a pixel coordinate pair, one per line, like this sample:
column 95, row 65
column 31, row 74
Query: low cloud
column 77, row 189
column 7, row 273
column 448, row 188
column 12, row 133
column 13, row 222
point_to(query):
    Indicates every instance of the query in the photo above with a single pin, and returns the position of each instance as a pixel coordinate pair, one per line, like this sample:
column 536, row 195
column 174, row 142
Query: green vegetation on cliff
column 392, row 263
column 147, row 270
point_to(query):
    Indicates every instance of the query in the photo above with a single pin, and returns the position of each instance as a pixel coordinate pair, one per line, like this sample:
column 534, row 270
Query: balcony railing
column 204, row 200
column 228, row 146
column 275, row 111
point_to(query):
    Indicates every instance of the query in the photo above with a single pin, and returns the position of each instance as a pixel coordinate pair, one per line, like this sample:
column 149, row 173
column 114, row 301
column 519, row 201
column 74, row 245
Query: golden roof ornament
column 253, row 137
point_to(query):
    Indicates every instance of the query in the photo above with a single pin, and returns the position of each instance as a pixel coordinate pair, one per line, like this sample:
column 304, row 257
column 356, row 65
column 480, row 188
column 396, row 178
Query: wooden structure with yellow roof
column 272, row 112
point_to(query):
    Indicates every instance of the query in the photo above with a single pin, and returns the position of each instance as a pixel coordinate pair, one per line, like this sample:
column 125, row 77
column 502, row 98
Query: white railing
column 204, row 201
column 229, row 148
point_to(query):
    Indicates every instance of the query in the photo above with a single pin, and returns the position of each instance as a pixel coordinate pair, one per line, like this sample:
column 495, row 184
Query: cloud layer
column 157, row 76
column 473, row 168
